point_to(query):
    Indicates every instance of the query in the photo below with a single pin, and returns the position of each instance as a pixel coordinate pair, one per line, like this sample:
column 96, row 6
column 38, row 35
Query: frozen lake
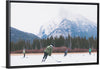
column 18, row 60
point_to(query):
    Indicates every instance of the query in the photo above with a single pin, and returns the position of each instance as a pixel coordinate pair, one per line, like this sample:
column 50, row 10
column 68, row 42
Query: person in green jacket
column 90, row 51
column 47, row 51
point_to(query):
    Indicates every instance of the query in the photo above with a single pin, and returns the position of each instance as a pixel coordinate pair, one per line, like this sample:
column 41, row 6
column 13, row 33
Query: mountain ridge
column 18, row 35
column 82, row 28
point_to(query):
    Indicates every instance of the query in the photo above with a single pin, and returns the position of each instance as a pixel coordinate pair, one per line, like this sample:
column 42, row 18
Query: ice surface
column 69, row 59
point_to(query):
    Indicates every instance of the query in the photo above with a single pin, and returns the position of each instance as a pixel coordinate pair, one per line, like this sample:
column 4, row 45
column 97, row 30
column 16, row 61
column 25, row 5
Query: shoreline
column 14, row 54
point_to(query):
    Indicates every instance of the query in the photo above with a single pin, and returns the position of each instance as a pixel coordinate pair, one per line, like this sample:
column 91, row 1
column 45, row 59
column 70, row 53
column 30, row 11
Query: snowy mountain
column 68, row 23
column 83, row 28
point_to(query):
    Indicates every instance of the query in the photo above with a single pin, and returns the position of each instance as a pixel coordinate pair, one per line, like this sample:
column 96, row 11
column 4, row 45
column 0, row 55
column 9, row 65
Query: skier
column 47, row 51
column 65, row 53
column 24, row 52
column 90, row 51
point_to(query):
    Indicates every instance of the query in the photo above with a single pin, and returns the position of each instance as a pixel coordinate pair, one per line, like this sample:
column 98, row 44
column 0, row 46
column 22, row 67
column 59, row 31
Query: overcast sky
column 29, row 17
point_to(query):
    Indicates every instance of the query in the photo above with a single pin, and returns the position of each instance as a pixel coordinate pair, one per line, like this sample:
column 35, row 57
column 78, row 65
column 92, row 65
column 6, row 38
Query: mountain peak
column 67, row 21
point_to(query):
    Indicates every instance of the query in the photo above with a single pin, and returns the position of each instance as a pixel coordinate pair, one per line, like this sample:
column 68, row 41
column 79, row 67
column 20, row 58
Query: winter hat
column 51, row 45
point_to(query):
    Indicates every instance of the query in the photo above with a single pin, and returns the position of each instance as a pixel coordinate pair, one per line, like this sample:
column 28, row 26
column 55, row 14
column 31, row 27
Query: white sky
column 29, row 17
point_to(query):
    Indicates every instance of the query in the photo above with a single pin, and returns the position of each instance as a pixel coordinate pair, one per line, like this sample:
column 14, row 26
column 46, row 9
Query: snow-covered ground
column 18, row 60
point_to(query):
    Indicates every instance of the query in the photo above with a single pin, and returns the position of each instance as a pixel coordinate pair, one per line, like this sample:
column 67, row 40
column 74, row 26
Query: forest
column 68, row 42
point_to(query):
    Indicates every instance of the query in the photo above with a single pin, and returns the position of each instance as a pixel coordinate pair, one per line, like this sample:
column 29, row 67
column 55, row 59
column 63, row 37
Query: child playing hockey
column 47, row 51
column 90, row 51
column 65, row 53
column 24, row 52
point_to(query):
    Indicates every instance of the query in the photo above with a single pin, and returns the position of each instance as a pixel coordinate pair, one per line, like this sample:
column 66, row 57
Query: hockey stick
column 56, row 60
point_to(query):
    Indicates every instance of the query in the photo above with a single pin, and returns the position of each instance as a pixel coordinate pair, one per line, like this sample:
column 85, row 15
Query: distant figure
column 65, row 53
column 24, row 52
column 47, row 51
column 90, row 51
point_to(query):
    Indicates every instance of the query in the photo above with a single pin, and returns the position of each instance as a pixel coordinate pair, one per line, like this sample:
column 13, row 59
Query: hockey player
column 90, row 51
column 47, row 51
column 24, row 52
column 65, row 53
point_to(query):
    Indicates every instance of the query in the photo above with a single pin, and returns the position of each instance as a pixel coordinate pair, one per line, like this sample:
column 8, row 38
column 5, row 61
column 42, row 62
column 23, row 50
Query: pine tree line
column 69, row 42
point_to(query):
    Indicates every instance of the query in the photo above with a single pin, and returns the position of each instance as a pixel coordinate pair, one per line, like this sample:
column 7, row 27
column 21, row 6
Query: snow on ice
column 69, row 59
